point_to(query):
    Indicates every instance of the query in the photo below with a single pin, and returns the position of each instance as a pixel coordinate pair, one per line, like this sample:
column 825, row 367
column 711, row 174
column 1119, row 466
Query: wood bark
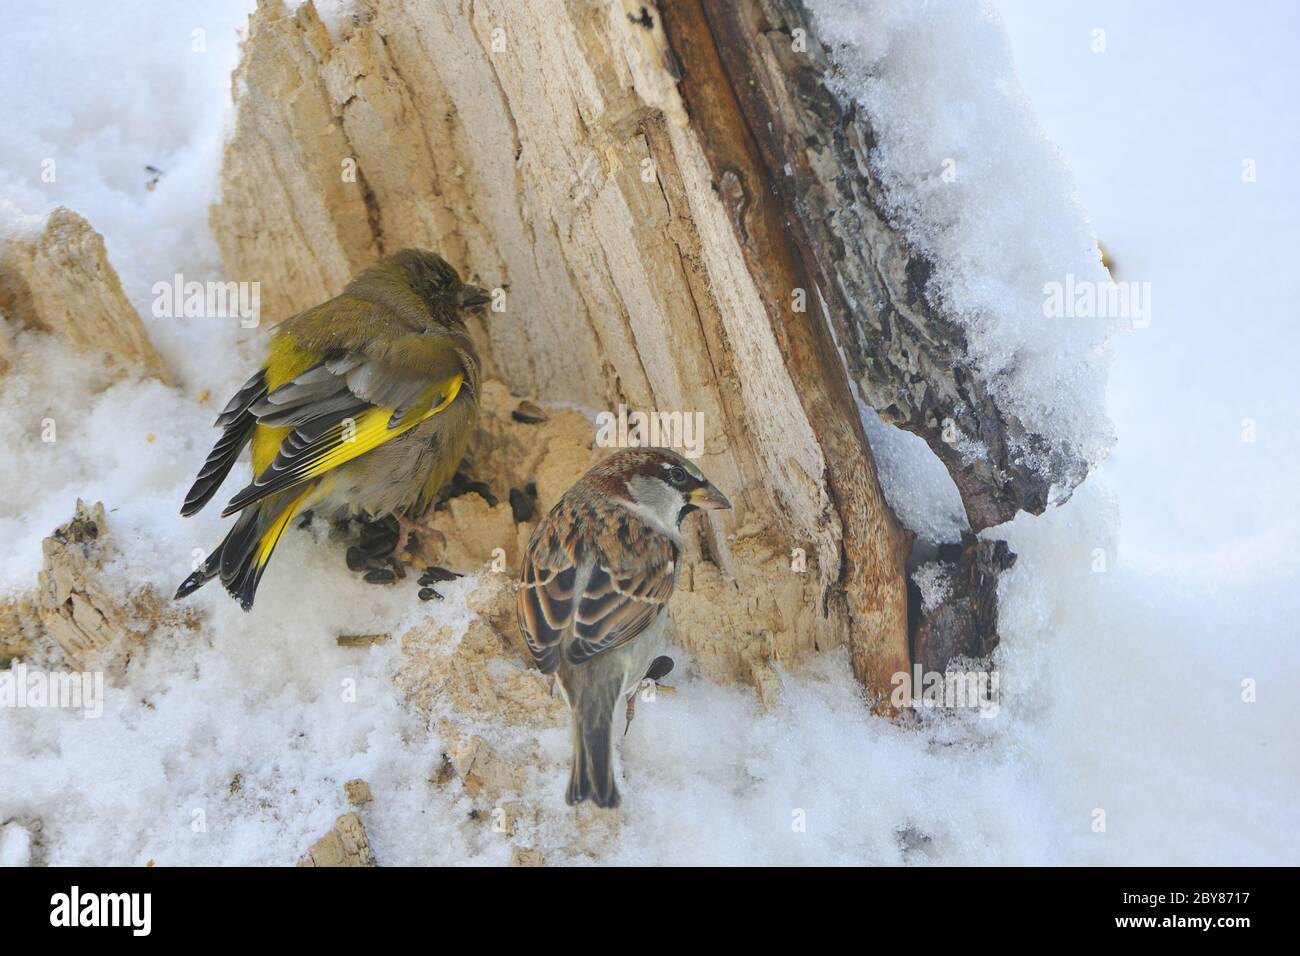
column 873, row 546
column 963, row 622
column 346, row 844
column 609, row 183
column 60, row 281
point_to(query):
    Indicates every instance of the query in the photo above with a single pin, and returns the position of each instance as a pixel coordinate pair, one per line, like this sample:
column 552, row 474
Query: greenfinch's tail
column 244, row 553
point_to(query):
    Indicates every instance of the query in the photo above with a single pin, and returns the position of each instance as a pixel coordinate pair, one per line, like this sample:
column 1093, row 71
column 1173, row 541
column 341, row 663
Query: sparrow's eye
column 677, row 475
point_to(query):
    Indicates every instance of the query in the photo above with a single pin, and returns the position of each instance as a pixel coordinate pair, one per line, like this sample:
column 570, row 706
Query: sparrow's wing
column 544, row 603
column 633, row 571
column 342, row 407
column 616, row 605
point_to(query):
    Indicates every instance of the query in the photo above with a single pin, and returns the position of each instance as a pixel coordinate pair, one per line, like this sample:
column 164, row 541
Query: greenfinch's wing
column 237, row 423
column 353, row 402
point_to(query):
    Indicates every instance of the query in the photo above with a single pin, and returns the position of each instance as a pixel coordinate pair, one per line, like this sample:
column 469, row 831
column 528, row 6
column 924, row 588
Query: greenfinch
column 363, row 407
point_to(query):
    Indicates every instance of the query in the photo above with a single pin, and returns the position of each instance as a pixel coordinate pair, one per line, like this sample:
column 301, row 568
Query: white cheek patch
column 656, row 503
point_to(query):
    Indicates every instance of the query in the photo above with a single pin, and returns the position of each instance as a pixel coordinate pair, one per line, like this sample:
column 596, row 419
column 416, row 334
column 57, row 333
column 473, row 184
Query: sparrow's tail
column 244, row 553
column 591, row 776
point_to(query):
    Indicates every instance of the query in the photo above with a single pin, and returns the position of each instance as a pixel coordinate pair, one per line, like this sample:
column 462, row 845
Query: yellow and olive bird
column 364, row 406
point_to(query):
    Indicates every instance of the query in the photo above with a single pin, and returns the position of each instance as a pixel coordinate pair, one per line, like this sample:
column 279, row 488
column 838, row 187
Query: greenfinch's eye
column 677, row 475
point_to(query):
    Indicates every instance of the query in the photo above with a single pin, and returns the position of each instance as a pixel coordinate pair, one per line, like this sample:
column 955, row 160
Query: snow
column 15, row 845
column 978, row 187
column 915, row 483
column 1130, row 621
column 1198, row 595
column 95, row 126
column 934, row 580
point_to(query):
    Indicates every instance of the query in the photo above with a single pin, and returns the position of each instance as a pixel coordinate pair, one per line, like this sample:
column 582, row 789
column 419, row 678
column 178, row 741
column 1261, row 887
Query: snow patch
column 976, row 186
column 934, row 580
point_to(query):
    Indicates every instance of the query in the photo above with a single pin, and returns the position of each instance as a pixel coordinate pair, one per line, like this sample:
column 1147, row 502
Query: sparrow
column 363, row 407
column 593, row 594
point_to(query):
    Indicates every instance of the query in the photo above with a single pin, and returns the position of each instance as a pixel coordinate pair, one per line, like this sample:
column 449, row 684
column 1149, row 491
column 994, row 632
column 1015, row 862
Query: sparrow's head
column 656, row 482
column 437, row 283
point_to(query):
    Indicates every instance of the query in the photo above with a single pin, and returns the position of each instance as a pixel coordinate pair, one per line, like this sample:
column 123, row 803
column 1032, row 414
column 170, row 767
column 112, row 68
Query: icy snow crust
column 978, row 188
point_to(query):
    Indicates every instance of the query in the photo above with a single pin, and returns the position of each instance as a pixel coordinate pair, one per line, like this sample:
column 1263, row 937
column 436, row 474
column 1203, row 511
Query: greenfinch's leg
column 406, row 529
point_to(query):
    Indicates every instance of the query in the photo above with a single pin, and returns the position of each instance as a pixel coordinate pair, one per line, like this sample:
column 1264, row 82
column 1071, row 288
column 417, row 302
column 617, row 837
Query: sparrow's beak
column 708, row 498
column 473, row 297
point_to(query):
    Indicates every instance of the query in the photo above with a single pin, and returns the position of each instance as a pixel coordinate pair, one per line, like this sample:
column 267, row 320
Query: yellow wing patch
column 271, row 537
column 352, row 438
column 266, row 445
column 338, row 444
column 286, row 360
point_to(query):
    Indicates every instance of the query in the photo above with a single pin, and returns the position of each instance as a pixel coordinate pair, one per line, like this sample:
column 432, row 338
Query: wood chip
column 362, row 640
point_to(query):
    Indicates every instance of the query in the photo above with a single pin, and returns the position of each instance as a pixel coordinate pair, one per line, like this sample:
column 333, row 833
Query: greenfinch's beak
column 473, row 297
column 708, row 498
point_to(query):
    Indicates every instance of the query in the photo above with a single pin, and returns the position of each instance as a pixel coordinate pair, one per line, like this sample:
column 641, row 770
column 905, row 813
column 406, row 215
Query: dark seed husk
column 528, row 413
column 659, row 667
column 379, row 547
column 434, row 575
column 522, row 505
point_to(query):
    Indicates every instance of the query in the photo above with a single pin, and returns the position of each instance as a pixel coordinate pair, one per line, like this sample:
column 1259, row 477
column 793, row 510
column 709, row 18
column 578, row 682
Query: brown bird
column 594, row 589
